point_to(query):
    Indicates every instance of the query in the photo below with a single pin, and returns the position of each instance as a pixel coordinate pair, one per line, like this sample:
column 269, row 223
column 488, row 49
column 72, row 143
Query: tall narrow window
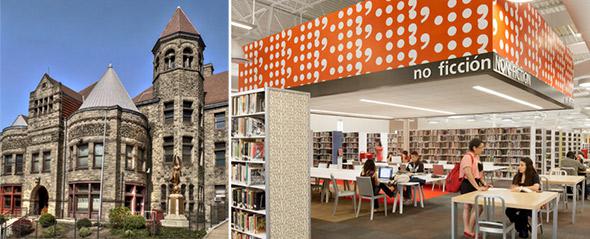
column 163, row 196
column 191, row 192
column 187, row 111
column 168, row 149
column 98, row 155
column 187, row 148
column 187, row 58
column 220, row 154
column 220, row 120
column 8, row 164
column 46, row 162
column 169, row 58
column 82, row 162
column 36, row 163
column 169, row 112
column 19, row 164
column 129, row 157
column 140, row 159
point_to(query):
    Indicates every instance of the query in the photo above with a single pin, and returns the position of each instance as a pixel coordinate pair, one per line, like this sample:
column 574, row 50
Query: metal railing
column 5, row 227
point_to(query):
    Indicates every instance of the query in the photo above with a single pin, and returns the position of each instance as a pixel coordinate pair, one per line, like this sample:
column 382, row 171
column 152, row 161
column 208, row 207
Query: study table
column 530, row 201
column 570, row 181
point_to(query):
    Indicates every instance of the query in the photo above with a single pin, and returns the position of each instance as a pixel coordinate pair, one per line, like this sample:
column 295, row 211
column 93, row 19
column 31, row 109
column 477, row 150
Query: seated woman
column 369, row 170
column 526, row 178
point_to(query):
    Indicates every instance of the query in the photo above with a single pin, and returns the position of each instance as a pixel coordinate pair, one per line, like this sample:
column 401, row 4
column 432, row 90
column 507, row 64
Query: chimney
column 208, row 70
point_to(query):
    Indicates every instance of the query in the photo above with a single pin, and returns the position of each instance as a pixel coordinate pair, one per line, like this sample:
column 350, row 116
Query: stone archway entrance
column 39, row 199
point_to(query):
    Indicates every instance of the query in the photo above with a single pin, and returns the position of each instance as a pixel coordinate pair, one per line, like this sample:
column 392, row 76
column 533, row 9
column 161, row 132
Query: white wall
column 351, row 124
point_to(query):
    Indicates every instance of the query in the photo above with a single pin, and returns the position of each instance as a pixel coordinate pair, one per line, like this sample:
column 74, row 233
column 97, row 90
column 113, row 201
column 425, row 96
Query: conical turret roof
column 179, row 23
column 109, row 91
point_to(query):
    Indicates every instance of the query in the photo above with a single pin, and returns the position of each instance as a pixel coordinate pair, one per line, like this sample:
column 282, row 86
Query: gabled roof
column 66, row 90
column 109, row 91
column 215, row 87
column 20, row 120
column 179, row 23
column 86, row 91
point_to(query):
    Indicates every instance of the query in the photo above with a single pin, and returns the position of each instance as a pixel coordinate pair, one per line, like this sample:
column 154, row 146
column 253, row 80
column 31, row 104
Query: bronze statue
column 175, row 180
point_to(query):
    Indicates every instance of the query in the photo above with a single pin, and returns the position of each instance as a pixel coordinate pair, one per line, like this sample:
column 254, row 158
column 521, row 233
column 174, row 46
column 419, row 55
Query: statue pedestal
column 175, row 216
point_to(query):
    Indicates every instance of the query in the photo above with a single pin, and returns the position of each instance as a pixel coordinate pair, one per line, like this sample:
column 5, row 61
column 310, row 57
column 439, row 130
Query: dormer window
column 187, row 58
column 169, row 58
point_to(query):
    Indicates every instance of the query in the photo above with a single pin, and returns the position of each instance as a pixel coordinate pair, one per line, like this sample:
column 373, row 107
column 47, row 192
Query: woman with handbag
column 472, row 181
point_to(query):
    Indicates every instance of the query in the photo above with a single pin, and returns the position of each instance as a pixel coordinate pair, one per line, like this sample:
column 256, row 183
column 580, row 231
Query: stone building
column 61, row 145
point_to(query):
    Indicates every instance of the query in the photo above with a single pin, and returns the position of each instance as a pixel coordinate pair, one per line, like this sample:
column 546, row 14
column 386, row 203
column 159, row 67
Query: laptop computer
column 385, row 173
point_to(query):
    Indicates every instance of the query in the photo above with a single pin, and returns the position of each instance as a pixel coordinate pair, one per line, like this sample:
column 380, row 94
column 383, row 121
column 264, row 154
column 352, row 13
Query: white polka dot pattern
column 378, row 35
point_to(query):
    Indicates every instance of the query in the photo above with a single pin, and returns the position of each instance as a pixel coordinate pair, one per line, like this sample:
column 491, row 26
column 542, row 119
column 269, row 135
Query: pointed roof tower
column 20, row 121
column 179, row 23
column 109, row 91
column 179, row 26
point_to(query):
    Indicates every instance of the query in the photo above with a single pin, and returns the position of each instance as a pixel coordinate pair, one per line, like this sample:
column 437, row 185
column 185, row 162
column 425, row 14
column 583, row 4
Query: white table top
column 568, row 180
column 512, row 199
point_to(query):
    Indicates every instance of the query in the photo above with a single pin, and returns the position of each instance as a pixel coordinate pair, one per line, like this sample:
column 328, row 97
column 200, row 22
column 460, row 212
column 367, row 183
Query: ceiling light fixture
column 242, row 25
column 496, row 93
column 456, row 117
column 407, row 106
column 433, row 122
column 350, row 114
column 471, row 120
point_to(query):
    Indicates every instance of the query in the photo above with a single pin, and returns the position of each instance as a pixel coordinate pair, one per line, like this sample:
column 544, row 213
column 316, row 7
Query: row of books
column 249, row 198
column 248, row 174
column 248, row 151
column 239, row 235
column 248, row 104
column 249, row 222
column 246, row 127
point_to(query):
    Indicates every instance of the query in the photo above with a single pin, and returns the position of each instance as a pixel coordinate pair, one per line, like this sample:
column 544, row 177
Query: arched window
column 187, row 58
column 169, row 59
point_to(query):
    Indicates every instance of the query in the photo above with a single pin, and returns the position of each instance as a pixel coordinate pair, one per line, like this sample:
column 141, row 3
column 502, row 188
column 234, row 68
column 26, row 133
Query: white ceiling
column 457, row 97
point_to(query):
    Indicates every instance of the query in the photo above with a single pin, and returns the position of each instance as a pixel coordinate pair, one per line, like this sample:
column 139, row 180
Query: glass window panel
column 46, row 161
column 95, row 203
column 82, row 204
column 35, row 167
column 98, row 155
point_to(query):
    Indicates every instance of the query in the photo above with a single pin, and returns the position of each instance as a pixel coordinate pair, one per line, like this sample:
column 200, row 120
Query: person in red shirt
column 378, row 150
column 472, row 181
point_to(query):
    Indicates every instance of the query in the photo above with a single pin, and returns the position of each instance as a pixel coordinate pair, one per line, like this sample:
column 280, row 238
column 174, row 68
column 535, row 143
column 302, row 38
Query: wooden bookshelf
column 322, row 147
column 350, row 146
column 395, row 143
column 371, row 138
column 269, row 163
column 504, row 146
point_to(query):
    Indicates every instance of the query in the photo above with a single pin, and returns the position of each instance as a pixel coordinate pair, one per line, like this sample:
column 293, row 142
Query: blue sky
column 76, row 40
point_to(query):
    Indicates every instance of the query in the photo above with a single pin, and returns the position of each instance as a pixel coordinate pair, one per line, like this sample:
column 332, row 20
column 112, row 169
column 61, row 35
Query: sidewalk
column 220, row 232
